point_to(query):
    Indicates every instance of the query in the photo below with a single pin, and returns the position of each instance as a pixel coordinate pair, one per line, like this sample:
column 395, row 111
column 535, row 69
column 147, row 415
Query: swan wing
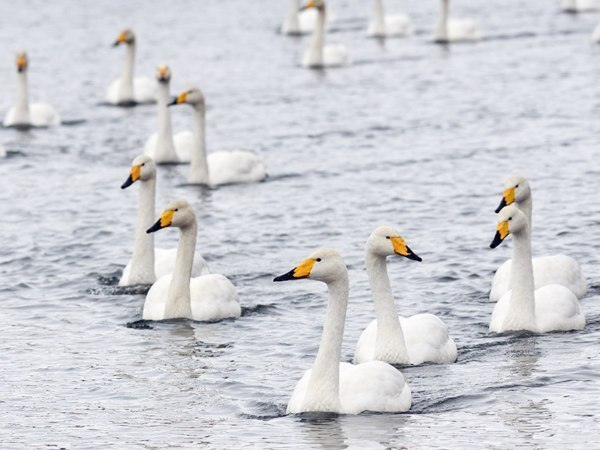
column 144, row 90
column 156, row 299
column 235, row 167
column 557, row 309
column 9, row 118
column 427, row 340
column 335, row 55
column 365, row 347
column 43, row 115
column 463, row 30
column 213, row 297
column 150, row 146
column 112, row 92
column 184, row 145
column 501, row 281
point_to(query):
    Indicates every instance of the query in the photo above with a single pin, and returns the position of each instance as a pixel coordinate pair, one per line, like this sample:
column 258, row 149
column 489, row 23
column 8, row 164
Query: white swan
column 319, row 55
column 455, row 30
column 127, row 91
column 179, row 296
column 164, row 147
column 332, row 386
column 149, row 263
column 555, row 269
column 552, row 307
column 298, row 22
column 391, row 338
column 23, row 114
column 388, row 26
column 219, row 167
column 577, row 6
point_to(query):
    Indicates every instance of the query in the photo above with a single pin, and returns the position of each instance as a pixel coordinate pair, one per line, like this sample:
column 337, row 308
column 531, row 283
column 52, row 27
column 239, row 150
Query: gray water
column 410, row 134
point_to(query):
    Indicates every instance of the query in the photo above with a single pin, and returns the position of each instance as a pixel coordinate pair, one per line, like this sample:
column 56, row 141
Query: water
column 411, row 135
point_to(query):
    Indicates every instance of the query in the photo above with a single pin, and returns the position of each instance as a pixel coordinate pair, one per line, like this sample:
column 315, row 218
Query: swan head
column 192, row 96
column 178, row 213
column 142, row 168
column 516, row 189
column 163, row 73
column 318, row 4
column 126, row 37
column 386, row 241
column 325, row 265
column 510, row 221
column 22, row 62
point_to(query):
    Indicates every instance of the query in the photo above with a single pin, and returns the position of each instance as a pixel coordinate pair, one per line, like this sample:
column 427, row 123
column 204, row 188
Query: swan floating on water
column 127, row 91
column 219, row 167
column 388, row 26
column 333, row 386
column 149, row 263
column 391, row 338
column 24, row 114
column 455, row 30
column 577, row 6
column 163, row 146
column 552, row 307
column 298, row 22
column 319, row 55
column 179, row 296
column 555, row 269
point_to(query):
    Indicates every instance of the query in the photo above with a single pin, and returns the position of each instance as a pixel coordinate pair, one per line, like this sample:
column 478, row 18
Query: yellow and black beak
column 181, row 98
column 400, row 248
column 501, row 232
column 508, row 197
column 166, row 219
column 163, row 74
column 134, row 175
column 309, row 5
column 297, row 273
column 120, row 40
column 21, row 63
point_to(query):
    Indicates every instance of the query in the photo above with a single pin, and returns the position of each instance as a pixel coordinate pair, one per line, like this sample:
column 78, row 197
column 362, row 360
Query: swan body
column 550, row 308
column 455, row 30
column 388, row 26
column 414, row 340
column 179, row 296
column 217, row 168
column 331, row 386
column 163, row 146
column 127, row 90
column 577, row 6
column 149, row 263
column 555, row 269
column 318, row 54
column 23, row 113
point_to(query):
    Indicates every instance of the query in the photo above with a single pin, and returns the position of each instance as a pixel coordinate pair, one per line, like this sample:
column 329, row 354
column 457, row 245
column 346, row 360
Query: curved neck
column 389, row 345
column 164, row 115
column 521, row 312
column 379, row 16
column 323, row 391
column 22, row 104
column 526, row 207
column 199, row 165
column 142, row 261
column 127, row 74
column 318, row 37
column 179, row 300
column 442, row 25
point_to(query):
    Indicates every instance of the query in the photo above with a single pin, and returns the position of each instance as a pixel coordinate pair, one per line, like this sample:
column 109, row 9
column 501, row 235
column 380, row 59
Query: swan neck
column 199, row 164
column 142, row 261
column 442, row 26
column 293, row 20
column 379, row 16
column 22, row 105
column 164, row 114
column 526, row 207
column 521, row 314
column 318, row 37
column 323, row 387
column 179, row 299
column 127, row 75
column 389, row 344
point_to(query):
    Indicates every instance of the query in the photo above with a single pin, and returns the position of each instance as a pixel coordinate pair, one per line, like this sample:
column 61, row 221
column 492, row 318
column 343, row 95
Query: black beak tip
column 285, row 277
column 497, row 240
column 414, row 257
column 172, row 102
column 500, row 206
column 128, row 182
column 154, row 227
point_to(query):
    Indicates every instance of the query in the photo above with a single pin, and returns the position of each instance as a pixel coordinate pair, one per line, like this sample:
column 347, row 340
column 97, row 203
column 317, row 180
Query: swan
column 164, row 147
column 23, row 114
column 298, row 22
column 555, row 269
column 218, row 167
column 147, row 262
column 391, row 338
column 388, row 26
column 577, row 6
column 319, row 55
column 179, row 296
column 552, row 307
column 455, row 30
column 596, row 34
column 128, row 91
column 331, row 385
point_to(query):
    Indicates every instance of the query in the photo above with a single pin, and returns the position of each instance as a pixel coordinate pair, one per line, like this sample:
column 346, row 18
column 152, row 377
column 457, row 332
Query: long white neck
column 22, row 116
column 165, row 147
column 178, row 299
column 526, row 207
column 323, row 391
column 292, row 22
column 199, row 165
column 142, row 261
column 389, row 345
column 521, row 313
column 126, row 92
column 316, row 45
column 378, row 17
column 442, row 25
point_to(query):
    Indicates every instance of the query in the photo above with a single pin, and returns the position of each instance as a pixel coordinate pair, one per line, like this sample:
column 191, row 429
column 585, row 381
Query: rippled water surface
column 410, row 134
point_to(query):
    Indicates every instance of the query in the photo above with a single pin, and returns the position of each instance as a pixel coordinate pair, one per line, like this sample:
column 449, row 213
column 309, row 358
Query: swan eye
column 176, row 209
column 516, row 186
column 318, row 259
column 387, row 237
column 143, row 164
column 510, row 218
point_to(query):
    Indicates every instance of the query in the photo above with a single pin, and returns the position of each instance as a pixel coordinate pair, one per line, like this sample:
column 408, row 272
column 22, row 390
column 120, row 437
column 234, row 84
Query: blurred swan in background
column 318, row 54
column 388, row 26
column 577, row 6
column 149, row 263
column 127, row 91
column 455, row 30
column 2, row 151
column 163, row 146
column 179, row 296
column 24, row 114
column 298, row 22
column 331, row 385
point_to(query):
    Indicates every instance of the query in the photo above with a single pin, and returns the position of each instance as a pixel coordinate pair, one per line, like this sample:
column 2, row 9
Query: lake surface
column 410, row 134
